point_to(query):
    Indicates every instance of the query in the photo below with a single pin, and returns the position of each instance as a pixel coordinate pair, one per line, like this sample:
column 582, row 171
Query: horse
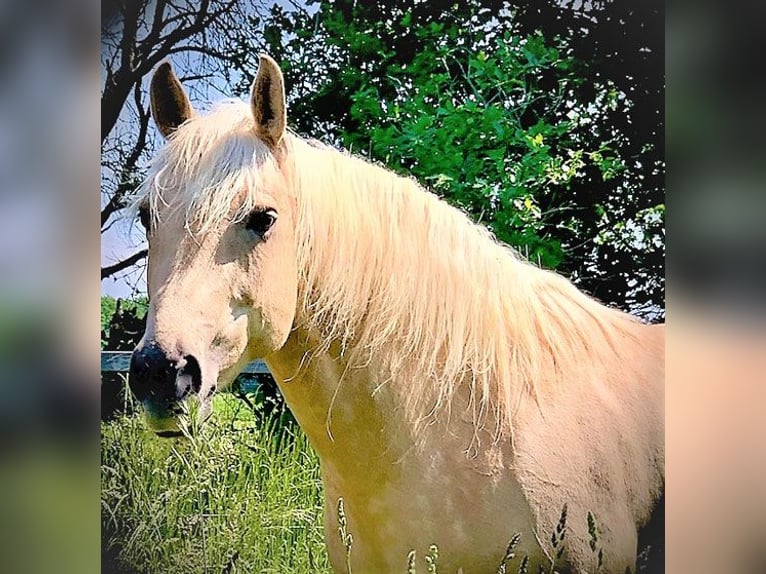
column 456, row 394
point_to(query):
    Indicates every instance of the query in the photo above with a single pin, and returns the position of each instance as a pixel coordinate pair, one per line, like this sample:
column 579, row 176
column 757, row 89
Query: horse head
column 221, row 275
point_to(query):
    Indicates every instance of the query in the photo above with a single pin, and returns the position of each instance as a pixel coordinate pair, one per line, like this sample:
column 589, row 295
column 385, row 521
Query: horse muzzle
column 160, row 383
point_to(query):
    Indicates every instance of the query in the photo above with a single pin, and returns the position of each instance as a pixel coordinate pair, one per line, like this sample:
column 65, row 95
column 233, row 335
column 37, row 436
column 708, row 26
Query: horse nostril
column 191, row 370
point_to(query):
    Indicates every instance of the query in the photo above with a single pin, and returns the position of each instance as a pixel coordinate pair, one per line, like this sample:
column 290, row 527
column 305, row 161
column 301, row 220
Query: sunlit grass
column 235, row 497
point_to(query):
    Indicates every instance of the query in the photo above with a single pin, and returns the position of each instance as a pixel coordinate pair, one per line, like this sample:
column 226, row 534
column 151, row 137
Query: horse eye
column 143, row 217
column 261, row 220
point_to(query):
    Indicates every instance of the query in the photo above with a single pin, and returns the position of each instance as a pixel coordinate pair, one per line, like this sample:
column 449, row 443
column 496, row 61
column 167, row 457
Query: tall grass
column 235, row 497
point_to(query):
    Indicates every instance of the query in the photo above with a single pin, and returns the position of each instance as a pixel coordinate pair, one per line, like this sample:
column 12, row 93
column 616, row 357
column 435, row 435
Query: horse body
column 399, row 492
column 598, row 447
column 402, row 492
column 455, row 394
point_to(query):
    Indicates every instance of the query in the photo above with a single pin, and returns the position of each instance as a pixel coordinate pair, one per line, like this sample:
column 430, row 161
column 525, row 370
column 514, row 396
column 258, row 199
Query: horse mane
column 403, row 281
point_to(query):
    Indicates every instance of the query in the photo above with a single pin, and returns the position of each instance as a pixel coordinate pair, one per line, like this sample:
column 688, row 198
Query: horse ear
column 170, row 104
column 267, row 98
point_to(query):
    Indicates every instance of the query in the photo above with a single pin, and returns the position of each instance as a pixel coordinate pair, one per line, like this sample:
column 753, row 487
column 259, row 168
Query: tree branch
column 129, row 165
column 179, row 34
column 124, row 264
column 207, row 51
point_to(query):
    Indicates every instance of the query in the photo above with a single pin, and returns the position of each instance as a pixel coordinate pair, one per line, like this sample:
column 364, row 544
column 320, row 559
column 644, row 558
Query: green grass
column 236, row 497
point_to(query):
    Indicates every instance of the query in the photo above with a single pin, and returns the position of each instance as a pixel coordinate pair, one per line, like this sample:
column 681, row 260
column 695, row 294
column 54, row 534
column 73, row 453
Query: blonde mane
column 400, row 279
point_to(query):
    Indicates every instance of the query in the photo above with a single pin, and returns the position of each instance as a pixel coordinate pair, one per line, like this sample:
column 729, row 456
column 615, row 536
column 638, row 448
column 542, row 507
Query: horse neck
column 393, row 275
column 334, row 403
column 433, row 312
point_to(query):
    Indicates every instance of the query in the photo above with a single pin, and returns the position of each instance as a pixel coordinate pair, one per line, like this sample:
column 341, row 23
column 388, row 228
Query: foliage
column 108, row 307
column 469, row 128
column 122, row 322
column 538, row 118
column 122, row 326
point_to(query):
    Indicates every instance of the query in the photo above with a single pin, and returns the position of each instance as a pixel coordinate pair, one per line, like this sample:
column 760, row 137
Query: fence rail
column 119, row 362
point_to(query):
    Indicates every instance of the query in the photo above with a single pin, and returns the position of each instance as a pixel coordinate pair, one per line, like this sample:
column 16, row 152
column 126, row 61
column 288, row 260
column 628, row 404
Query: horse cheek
column 275, row 285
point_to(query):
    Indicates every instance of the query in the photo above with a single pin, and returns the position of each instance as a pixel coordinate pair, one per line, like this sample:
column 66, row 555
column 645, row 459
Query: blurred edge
column 49, row 244
column 716, row 349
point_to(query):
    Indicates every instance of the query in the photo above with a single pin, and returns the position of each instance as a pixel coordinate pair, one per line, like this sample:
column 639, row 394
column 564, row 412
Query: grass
column 235, row 497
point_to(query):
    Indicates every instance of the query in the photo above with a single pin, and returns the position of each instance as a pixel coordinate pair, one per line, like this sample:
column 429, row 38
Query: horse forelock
column 212, row 169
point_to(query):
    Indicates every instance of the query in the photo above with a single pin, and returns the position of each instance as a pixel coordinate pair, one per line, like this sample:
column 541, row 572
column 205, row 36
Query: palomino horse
column 455, row 394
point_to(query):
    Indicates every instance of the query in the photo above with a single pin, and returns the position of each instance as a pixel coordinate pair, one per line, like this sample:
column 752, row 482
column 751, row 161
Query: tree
column 568, row 97
column 623, row 45
column 206, row 41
